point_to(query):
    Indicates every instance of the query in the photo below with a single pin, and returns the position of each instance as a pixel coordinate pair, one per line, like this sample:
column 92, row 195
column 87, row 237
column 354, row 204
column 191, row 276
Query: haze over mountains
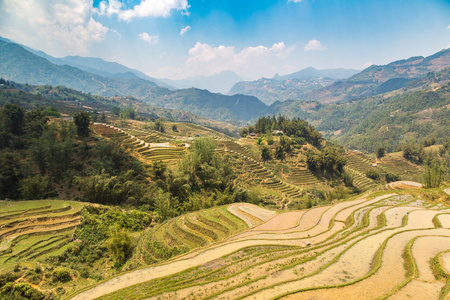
column 96, row 76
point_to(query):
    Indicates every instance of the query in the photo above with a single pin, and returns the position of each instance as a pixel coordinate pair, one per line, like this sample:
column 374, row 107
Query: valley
column 188, row 149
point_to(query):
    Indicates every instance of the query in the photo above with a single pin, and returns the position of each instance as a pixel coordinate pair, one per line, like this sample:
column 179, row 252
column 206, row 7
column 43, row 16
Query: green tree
column 120, row 244
column 266, row 153
column 174, row 128
column 35, row 187
column 128, row 113
column 432, row 176
column 103, row 118
column 159, row 125
column 10, row 175
column 116, row 110
column 12, row 118
column 381, row 152
column 279, row 152
column 390, row 177
column 82, row 121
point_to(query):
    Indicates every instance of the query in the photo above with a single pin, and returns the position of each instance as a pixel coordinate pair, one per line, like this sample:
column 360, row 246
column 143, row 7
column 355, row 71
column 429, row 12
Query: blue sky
column 252, row 38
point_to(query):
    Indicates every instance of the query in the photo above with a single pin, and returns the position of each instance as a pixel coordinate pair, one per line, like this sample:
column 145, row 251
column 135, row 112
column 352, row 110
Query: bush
column 61, row 274
column 390, row 177
column 119, row 243
column 34, row 188
column 372, row 175
column 348, row 180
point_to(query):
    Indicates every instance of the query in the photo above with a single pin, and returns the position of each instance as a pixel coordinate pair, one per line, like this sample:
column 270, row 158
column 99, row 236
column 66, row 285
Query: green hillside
column 204, row 103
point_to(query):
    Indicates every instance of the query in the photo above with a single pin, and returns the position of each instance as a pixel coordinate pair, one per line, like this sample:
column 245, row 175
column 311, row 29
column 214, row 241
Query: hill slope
column 205, row 103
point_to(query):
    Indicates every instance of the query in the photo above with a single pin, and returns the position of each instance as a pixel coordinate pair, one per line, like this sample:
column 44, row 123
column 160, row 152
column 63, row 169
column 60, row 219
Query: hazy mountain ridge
column 293, row 86
column 98, row 66
column 204, row 103
column 371, row 81
column 272, row 90
column 307, row 73
column 18, row 64
column 218, row 83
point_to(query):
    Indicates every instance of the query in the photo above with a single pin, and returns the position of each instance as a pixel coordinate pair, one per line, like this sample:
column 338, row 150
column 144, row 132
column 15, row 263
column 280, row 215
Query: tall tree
column 82, row 120
column 12, row 118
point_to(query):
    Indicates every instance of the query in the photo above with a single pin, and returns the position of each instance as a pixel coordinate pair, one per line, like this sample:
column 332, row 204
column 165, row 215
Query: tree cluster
column 295, row 128
column 328, row 162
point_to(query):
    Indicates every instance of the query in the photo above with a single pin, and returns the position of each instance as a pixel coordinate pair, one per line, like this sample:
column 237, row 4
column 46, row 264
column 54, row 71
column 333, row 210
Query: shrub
column 61, row 274
column 348, row 180
column 390, row 177
column 119, row 243
column 372, row 174
column 35, row 187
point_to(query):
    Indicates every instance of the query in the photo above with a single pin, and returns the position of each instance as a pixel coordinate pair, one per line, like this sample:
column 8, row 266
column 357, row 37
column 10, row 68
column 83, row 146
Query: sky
column 254, row 38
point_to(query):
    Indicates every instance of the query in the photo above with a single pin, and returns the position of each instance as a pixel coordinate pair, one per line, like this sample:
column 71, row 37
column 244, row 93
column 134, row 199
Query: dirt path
column 251, row 214
column 447, row 191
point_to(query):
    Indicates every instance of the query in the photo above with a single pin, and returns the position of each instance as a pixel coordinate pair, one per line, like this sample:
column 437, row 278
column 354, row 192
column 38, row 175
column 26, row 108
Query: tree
column 390, row 177
column 174, row 128
column 381, row 152
column 159, row 125
column 128, row 113
column 432, row 176
column 116, row 110
column 12, row 118
column 279, row 152
column 82, row 121
column 103, row 118
column 265, row 153
column 120, row 244
column 10, row 175
column 34, row 188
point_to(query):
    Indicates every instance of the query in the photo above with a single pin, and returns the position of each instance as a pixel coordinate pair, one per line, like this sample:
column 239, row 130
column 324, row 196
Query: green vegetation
column 82, row 120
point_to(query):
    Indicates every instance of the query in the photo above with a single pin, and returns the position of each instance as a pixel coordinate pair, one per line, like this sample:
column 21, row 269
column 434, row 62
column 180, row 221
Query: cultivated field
column 389, row 244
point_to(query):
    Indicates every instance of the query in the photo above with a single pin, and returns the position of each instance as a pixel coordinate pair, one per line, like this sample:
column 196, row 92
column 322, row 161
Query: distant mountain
column 98, row 66
column 311, row 72
column 20, row 65
column 272, row 90
column 412, row 67
column 218, row 83
column 381, row 79
column 204, row 103
column 293, row 86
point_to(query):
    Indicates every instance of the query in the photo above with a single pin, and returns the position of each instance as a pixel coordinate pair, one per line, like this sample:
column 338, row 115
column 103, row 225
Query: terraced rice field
column 377, row 246
column 149, row 145
column 36, row 229
column 358, row 164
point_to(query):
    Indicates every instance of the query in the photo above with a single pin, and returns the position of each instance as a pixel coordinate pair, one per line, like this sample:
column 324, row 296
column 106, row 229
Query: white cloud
column 314, row 45
column 147, row 8
column 448, row 27
column 184, row 30
column 206, row 60
column 152, row 39
column 295, row 1
column 367, row 64
column 59, row 26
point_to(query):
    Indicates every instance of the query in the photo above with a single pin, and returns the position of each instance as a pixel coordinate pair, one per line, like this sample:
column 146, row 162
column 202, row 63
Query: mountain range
column 374, row 80
column 20, row 65
column 297, row 85
column 311, row 72
column 319, row 87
